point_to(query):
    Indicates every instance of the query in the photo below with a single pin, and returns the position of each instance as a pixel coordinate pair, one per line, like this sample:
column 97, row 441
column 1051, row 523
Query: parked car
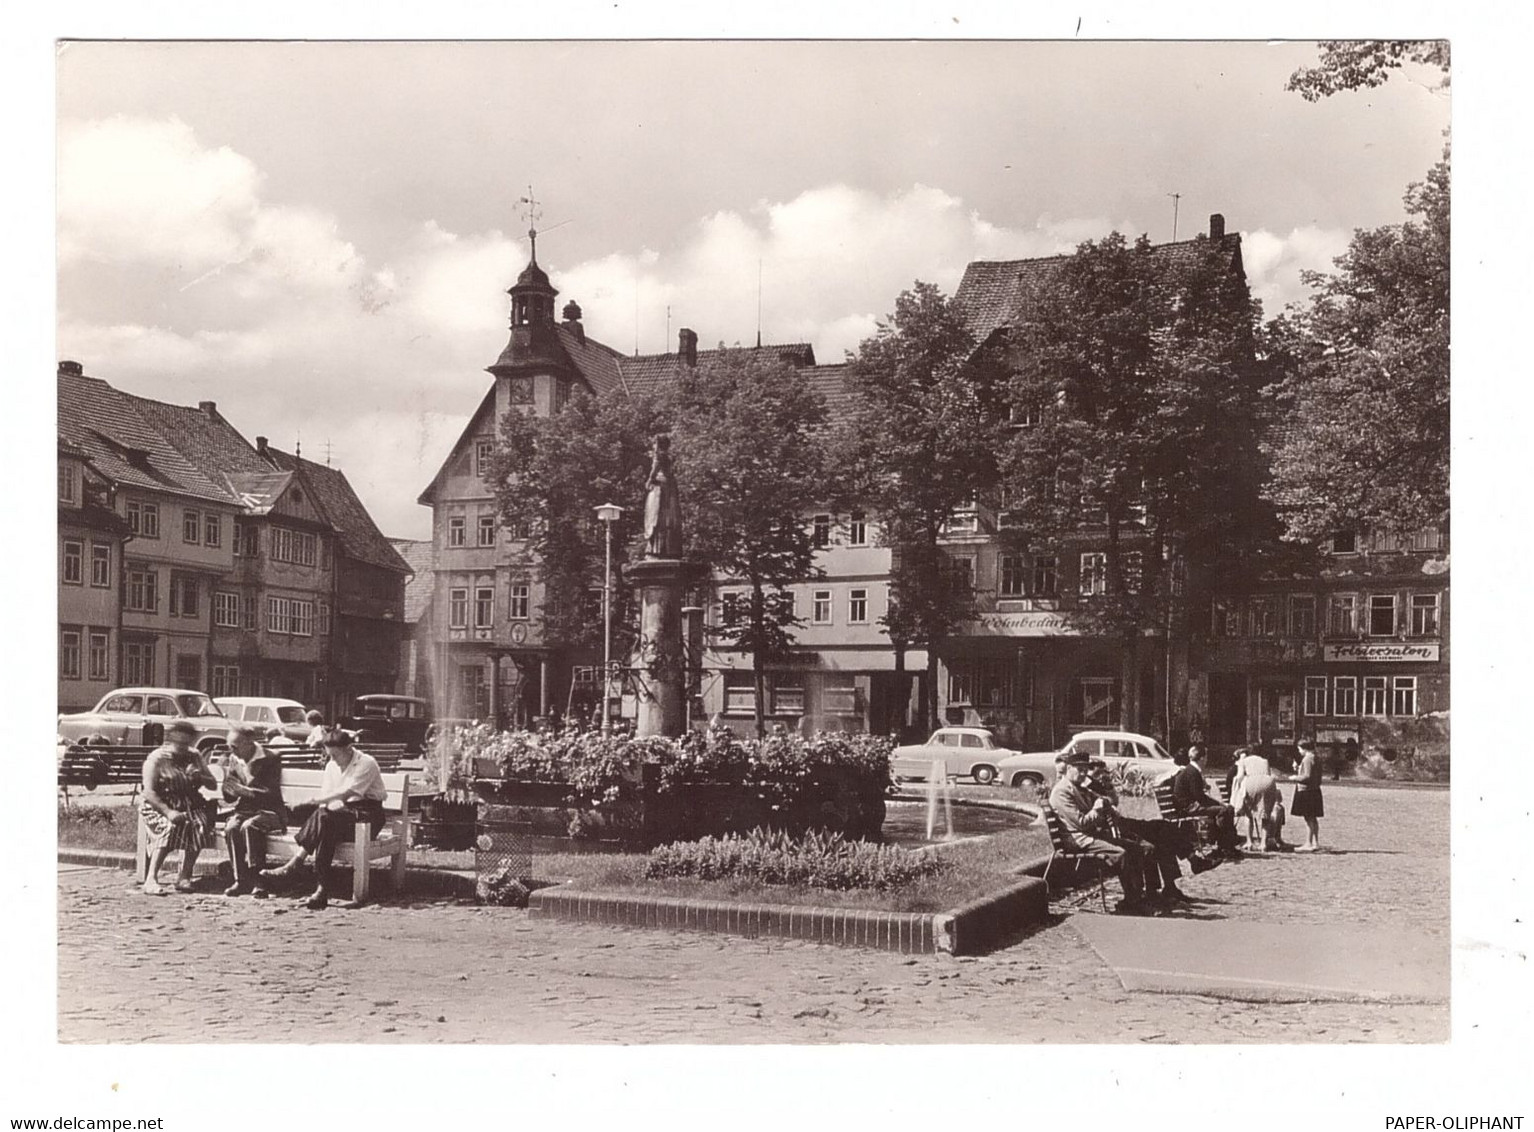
column 1115, row 748
column 283, row 718
column 137, row 717
column 965, row 752
column 384, row 718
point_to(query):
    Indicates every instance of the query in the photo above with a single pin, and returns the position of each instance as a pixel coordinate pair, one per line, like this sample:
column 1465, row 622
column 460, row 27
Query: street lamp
column 608, row 513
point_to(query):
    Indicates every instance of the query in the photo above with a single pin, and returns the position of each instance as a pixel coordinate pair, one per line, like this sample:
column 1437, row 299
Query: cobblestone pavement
column 443, row 971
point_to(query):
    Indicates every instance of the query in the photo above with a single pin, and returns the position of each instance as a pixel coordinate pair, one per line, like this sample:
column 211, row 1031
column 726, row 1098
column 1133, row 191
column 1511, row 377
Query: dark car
column 389, row 719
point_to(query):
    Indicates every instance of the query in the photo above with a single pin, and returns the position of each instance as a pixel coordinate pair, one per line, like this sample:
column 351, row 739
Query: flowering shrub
column 816, row 860
column 1132, row 782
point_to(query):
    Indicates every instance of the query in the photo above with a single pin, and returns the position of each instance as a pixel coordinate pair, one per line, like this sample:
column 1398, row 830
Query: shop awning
column 870, row 660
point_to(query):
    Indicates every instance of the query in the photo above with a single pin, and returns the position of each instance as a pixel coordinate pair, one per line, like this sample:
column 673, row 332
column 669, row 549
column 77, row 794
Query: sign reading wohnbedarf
column 1381, row 652
column 1033, row 624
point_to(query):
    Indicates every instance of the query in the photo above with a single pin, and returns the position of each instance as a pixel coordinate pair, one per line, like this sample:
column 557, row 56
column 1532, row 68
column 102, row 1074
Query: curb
column 435, row 882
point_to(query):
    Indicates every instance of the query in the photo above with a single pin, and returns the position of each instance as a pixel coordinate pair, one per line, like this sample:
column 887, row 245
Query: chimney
column 71, row 369
column 687, row 345
column 209, row 408
column 572, row 316
column 260, row 446
column 1216, row 226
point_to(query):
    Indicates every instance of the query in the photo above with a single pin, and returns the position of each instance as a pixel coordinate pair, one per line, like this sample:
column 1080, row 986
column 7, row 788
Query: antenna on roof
column 1176, row 197
column 758, row 302
column 298, row 445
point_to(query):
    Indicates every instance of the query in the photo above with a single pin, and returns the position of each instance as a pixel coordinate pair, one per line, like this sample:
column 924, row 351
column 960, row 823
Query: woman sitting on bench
column 351, row 792
column 172, row 808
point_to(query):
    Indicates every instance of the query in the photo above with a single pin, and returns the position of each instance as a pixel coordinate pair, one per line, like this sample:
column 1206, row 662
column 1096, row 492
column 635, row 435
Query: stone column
column 662, row 670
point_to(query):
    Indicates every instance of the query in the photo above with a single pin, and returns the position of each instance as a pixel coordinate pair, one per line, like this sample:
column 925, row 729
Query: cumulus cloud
column 1274, row 262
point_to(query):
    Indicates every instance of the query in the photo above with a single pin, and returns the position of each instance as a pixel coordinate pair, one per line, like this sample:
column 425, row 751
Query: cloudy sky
column 318, row 236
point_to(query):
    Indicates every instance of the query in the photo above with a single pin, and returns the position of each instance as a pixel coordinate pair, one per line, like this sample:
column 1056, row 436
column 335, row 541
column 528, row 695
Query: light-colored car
column 1115, row 748
column 275, row 716
column 137, row 717
column 965, row 752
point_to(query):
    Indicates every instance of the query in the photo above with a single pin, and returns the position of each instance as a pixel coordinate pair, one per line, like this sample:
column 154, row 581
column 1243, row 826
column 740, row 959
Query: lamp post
column 608, row 513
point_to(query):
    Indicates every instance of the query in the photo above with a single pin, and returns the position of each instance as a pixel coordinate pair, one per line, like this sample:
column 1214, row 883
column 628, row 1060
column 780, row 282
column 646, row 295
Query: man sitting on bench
column 1144, row 870
column 1191, row 798
column 351, row 791
column 253, row 783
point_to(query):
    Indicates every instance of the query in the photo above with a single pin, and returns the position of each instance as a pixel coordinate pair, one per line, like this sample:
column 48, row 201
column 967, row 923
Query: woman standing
column 173, row 808
column 1307, row 796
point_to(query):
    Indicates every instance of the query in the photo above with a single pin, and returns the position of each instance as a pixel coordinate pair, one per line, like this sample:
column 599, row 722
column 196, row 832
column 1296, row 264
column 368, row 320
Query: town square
column 703, row 545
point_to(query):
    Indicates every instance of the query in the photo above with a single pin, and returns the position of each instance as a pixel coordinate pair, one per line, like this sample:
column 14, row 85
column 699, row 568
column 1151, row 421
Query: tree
column 1366, row 380
column 549, row 476
column 750, row 460
column 921, row 441
column 1352, row 64
column 1138, row 395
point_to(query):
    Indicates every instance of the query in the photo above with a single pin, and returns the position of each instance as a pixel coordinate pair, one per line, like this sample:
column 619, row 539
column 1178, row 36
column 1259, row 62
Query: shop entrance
column 1275, row 713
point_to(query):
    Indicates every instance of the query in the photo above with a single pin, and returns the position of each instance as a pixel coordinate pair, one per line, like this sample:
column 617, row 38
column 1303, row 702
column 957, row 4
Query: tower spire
column 532, row 214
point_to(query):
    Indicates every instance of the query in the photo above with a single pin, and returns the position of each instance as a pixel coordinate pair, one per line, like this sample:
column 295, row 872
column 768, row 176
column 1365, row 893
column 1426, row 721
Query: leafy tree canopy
column 1353, row 64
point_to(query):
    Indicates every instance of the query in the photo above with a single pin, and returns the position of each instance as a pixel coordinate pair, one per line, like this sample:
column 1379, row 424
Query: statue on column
column 662, row 510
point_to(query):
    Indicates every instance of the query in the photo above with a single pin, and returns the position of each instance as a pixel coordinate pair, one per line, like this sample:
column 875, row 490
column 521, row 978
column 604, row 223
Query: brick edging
column 447, row 882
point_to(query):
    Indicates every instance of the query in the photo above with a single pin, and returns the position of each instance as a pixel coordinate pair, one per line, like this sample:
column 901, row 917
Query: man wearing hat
column 351, row 791
column 1089, row 819
column 253, row 782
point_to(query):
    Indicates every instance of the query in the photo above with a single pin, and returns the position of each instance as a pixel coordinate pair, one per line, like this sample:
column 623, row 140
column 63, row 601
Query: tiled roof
column 597, row 363
column 417, row 554
column 124, row 444
column 992, row 292
column 360, row 538
column 649, row 372
column 831, row 383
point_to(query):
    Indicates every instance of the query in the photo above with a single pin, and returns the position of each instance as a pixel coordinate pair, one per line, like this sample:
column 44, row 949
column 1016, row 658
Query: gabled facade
column 91, row 536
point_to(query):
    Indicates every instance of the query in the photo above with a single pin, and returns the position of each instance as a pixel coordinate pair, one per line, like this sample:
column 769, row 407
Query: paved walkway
column 444, row 971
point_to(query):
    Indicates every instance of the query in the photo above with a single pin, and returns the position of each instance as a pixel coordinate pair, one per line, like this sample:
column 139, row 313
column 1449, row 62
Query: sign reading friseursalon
column 1381, row 652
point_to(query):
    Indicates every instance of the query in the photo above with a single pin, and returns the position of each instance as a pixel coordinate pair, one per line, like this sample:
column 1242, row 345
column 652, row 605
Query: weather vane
column 532, row 214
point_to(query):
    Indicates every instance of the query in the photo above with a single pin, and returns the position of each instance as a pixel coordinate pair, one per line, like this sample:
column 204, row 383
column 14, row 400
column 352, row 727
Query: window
column 961, row 687
column 1384, row 541
column 212, row 530
column 733, row 608
column 247, row 540
column 1424, row 615
column 519, row 601
column 857, row 607
column 458, row 608
column 324, row 619
column 73, row 571
column 820, row 530
column 138, row 662
column 857, row 529
column 1218, row 611
column 484, row 448
column 839, row 701
column 1315, row 695
column 1094, row 574
column 456, row 530
column 519, row 530
column 520, row 390
column 1343, row 620
column 961, row 575
column 226, row 679
column 299, row 547
column 1045, row 575
column 1345, row 695
column 983, row 683
column 1133, row 567
column 1345, row 542
column 67, row 493
column 143, row 592
column 100, row 653
column 486, row 530
column 820, row 608
column 1382, row 615
column 101, row 565
column 1025, row 415
column 1428, row 538
column 248, row 612
column 787, row 700
column 1265, row 616
column 69, row 654
column 1374, row 695
column 1403, row 696
column 739, row 693
column 1302, row 615
column 484, row 606
column 965, row 519
column 183, row 594
column 1012, row 575
column 1099, row 701
column 188, row 671
column 191, row 527
column 290, row 615
column 226, row 609
column 144, row 519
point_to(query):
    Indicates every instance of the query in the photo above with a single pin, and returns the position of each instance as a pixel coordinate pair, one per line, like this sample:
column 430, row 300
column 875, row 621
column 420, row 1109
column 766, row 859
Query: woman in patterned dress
column 173, row 808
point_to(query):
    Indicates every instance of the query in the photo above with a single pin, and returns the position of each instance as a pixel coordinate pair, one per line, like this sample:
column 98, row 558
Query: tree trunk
column 929, row 691
column 758, row 677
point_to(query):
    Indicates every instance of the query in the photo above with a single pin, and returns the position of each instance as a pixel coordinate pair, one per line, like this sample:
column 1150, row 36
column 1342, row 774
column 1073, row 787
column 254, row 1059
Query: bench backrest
column 1164, row 801
column 301, row 785
column 1059, row 836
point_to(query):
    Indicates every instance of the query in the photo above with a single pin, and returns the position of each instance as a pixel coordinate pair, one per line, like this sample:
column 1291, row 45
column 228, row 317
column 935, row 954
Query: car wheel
column 1021, row 780
column 984, row 775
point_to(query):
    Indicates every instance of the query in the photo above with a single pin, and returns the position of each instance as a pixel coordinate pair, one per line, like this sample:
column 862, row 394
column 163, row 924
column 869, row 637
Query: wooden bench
column 92, row 765
column 299, row 786
column 1062, row 848
column 1201, row 826
column 388, row 756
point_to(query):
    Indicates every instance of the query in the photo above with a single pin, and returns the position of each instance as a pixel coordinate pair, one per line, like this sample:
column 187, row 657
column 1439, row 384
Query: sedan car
column 137, row 717
column 1116, row 749
column 384, row 718
column 965, row 752
column 284, row 718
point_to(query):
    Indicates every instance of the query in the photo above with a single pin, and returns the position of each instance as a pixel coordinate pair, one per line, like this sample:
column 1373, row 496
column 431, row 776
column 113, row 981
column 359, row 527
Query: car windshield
column 290, row 714
column 197, row 705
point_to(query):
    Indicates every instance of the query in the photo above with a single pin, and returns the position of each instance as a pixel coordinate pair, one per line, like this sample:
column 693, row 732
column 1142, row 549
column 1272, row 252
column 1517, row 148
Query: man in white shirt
column 351, row 791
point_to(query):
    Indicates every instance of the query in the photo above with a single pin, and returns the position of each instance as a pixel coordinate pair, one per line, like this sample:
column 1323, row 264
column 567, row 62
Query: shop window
column 840, row 701
column 739, row 693
column 961, row 687
column 1099, row 701
column 1345, row 695
column 1315, row 695
column 787, row 699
